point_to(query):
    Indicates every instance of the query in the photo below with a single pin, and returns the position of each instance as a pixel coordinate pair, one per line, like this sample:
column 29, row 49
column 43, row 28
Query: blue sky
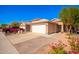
column 10, row 13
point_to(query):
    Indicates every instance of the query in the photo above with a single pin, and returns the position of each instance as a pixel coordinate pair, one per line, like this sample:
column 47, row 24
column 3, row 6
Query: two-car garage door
column 39, row 28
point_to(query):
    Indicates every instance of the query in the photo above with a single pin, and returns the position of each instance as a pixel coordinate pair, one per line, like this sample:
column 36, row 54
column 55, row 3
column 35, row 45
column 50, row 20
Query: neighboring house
column 25, row 26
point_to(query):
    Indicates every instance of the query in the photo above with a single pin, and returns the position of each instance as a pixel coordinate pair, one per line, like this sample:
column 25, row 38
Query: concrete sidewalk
column 5, row 46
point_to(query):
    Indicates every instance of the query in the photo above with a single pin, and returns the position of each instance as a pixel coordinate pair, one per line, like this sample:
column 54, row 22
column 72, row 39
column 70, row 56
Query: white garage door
column 39, row 28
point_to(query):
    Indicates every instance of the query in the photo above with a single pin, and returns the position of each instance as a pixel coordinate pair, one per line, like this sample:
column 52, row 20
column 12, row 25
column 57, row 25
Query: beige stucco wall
column 52, row 28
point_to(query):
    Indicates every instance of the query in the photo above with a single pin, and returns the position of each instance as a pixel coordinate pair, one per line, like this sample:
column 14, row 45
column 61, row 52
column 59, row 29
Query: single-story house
column 46, row 27
column 43, row 26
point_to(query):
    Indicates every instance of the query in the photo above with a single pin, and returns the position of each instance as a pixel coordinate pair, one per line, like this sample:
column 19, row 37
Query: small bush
column 74, row 44
column 57, row 51
column 69, row 35
column 57, row 48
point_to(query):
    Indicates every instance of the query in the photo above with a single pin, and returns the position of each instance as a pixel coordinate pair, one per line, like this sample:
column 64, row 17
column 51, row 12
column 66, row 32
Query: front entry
column 58, row 28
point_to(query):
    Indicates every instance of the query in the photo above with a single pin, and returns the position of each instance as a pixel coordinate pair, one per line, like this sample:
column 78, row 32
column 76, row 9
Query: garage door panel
column 39, row 28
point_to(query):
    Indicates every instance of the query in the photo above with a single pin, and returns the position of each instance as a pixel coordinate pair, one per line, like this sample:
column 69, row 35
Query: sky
column 26, row 13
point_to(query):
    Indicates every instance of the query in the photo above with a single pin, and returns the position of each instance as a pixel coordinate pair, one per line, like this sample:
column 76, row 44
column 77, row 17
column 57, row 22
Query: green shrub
column 57, row 51
column 57, row 48
column 74, row 44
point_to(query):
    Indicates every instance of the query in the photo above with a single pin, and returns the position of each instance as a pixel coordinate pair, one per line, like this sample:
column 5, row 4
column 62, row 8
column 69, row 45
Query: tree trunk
column 70, row 29
column 66, row 28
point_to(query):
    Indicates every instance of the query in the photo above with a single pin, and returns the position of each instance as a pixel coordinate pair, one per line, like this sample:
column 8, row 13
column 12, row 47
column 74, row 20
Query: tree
column 76, row 25
column 15, row 25
column 70, row 17
column 4, row 25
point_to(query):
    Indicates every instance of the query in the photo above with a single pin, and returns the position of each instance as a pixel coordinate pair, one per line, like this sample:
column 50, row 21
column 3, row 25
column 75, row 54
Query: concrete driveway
column 33, row 42
column 18, row 38
column 32, row 45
